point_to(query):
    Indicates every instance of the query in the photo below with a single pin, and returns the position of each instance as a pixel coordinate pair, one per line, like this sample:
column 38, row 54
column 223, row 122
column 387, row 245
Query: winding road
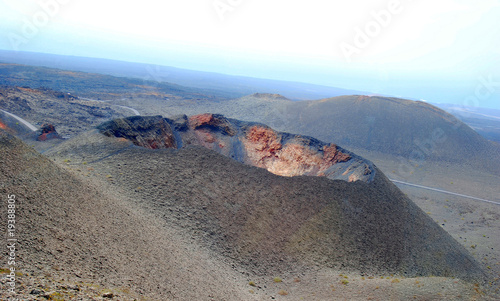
column 444, row 191
column 26, row 123
column 34, row 128
column 129, row 108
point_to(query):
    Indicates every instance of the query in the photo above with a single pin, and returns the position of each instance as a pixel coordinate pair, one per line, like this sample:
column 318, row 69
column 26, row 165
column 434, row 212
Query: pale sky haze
column 433, row 50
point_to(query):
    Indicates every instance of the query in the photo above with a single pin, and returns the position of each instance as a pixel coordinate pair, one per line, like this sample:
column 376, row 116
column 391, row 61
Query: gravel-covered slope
column 270, row 223
column 78, row 239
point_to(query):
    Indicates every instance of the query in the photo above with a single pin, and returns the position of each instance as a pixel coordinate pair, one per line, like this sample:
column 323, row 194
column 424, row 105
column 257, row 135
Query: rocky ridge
column 250, row 143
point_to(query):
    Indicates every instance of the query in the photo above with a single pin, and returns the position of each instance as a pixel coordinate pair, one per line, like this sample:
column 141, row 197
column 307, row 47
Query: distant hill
column 414, row 130
column 218, row 84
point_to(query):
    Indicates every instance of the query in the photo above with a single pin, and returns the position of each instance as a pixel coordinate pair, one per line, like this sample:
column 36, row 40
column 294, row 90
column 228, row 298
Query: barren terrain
column 126, row 245
column 101, row 216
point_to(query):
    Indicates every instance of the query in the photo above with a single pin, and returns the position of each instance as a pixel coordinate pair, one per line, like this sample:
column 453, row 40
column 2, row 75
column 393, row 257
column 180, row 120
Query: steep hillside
column 77, row 238
column 274, row 223
column 484, row 121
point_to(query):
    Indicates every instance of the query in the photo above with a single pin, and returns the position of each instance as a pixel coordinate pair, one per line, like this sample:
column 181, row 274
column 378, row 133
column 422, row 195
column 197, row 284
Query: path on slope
column 26, row 123
column 444, row 191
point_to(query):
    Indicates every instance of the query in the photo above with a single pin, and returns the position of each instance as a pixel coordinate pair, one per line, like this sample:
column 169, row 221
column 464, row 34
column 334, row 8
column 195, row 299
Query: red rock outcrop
column 331, row 153
column 48, row 132
column 261, row 143
column 265, row 149
column 214, row 122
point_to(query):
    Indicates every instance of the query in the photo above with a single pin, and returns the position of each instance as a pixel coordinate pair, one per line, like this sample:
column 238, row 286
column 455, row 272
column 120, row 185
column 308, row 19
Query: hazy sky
column 440, row 51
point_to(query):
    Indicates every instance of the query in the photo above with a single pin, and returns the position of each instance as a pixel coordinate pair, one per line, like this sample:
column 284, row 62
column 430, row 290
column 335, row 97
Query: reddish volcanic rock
column 253, row 144
column 265, row 149
column 214, row 122
column 197, row 121
column 48, row 132
column 205, row 138
column 331, row 153
column 295, row 156
column 294, row 160
column 263, row 140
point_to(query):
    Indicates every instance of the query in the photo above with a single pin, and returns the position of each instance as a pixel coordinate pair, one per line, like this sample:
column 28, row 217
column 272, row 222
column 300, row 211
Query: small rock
column 48, row 295
column 108, row 295
column 36, row 292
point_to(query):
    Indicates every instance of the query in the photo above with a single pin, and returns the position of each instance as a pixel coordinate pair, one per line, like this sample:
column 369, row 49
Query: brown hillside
column 274, row 223
column 77, row 238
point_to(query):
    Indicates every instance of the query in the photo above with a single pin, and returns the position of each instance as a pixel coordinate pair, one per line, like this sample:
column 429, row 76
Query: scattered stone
column 108, row 295
column 36, row 292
